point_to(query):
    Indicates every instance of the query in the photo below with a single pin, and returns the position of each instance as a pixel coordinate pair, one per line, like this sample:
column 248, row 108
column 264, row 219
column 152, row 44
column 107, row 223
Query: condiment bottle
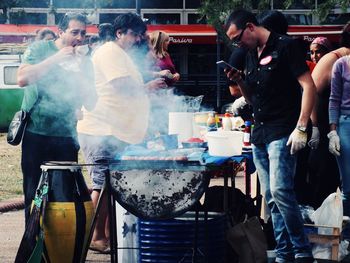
column 211, row 122
column 246, row 133
column 226, row 122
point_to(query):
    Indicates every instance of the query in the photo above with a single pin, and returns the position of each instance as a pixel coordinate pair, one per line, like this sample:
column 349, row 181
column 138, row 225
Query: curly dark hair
column 131, row 21
column 106, row 32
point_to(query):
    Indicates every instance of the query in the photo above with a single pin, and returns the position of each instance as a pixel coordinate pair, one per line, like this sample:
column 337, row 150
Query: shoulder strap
column 35, row 103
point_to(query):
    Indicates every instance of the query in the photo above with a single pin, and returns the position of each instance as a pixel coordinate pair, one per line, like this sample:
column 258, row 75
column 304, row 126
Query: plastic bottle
column 226, row 122
column 247, row 133
column 211, row 122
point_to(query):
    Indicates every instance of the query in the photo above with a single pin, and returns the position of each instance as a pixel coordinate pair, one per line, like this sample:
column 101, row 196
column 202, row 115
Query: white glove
column 315, row 138
column 237, row 104
column 297, row 141
column 334, row 143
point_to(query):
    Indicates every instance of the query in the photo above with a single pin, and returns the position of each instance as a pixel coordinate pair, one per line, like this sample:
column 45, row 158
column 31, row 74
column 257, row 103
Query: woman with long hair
column 160, row 43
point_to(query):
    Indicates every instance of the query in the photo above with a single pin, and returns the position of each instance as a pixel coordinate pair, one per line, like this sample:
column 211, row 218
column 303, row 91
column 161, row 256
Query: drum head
column 158, row 194
column 61, row 165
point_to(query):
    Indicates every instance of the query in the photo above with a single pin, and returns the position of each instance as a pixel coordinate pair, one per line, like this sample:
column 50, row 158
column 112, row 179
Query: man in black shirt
column 275, row 73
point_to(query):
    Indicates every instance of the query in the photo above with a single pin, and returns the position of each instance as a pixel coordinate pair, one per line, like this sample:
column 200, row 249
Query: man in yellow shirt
column 121, row 113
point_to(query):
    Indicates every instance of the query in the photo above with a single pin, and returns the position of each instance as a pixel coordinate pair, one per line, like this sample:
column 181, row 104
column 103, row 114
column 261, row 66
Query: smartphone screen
column 225, row 65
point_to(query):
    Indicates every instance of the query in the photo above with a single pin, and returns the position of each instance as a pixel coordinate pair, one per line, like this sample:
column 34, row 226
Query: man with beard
column 119, row 118
column 276, row 70
column 58, row 81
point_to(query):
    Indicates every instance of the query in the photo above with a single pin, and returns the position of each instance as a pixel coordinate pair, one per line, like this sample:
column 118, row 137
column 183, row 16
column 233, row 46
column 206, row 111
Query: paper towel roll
column 181, row 123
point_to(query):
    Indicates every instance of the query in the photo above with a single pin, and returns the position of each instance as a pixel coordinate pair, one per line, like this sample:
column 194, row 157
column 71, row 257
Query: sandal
column 101, row 248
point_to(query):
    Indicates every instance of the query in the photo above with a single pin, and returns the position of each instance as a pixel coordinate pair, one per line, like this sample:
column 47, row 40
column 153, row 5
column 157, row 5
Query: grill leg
column 112, row 220
column 93, row 223
column 195, row 252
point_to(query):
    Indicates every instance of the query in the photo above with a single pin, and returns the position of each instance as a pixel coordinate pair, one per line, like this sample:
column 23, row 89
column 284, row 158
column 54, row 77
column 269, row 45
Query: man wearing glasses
column 58, row 81
column 275, row 73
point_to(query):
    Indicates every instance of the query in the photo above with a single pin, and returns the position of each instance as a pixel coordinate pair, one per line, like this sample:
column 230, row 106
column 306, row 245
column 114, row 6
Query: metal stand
column 112, row 220
column 106, row 191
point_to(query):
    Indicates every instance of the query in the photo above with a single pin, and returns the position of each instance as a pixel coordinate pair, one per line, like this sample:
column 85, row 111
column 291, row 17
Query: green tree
column 216, row 11
column 5, row 5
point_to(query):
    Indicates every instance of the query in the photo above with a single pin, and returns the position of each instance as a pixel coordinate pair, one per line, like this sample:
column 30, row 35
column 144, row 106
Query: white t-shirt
column 122, row 113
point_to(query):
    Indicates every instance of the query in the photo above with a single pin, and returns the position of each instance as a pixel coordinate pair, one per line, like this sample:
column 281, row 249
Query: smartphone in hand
column 225, row 65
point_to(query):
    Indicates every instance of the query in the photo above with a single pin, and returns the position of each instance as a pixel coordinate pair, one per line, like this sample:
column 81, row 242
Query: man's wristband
column 301, row 128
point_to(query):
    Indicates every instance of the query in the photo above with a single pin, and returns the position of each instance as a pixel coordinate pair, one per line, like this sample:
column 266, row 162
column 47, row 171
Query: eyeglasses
column 236, row 41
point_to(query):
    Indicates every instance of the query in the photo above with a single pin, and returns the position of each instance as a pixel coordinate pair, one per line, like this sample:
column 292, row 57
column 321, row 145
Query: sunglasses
column 236, row 41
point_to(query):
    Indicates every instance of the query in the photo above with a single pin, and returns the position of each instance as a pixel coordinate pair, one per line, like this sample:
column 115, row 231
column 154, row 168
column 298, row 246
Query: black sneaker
column 305, row 260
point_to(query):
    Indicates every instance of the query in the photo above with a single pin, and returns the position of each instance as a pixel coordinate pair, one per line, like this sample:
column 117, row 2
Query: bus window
column 11, row 94
column 10, row 75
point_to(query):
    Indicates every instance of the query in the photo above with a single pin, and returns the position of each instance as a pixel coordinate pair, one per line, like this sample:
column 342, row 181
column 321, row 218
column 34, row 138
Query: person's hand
column 157, row 83
column 315, row 138
column 176, row 76
column 64, row 54
column 334, row 143
column 239, row 103
column 165, row 73
column 233, row 74
column 297, row 141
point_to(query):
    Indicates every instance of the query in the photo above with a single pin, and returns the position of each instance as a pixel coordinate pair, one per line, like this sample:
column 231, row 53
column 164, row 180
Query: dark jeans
column 38, row 149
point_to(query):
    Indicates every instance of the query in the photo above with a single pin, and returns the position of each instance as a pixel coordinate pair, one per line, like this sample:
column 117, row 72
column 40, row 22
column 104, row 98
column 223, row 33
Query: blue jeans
column 344, row 165
column 276, row 168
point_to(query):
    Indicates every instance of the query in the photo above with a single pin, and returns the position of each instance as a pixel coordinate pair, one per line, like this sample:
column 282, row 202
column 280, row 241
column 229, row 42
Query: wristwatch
column 301, row 128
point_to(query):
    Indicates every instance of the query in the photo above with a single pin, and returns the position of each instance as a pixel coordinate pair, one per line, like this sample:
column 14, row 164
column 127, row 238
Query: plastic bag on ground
column 330, row 214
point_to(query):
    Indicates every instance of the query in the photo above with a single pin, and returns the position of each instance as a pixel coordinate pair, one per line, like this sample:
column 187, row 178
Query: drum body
column 68, row 214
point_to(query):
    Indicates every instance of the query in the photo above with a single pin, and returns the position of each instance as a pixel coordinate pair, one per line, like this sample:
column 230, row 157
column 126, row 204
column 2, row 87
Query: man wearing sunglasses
column 275, row 73
column 58, row 81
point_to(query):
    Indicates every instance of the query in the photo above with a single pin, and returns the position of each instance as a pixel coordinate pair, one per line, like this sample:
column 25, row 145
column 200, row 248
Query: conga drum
column 68, row 214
